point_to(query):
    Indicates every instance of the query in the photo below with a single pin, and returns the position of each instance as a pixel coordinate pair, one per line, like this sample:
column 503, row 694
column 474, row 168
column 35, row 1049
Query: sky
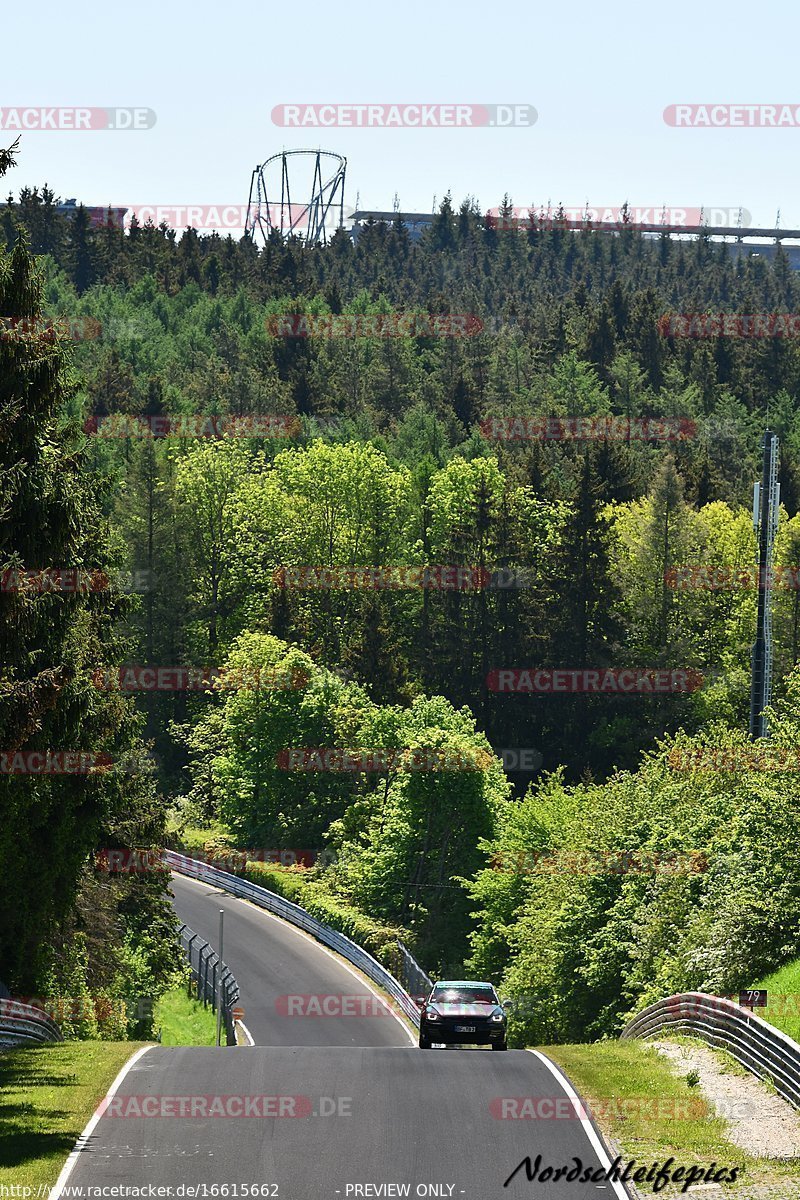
column 598, row 75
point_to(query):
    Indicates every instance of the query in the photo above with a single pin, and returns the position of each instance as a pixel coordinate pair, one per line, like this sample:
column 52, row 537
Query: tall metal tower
column 319, row 196
column 766, row 502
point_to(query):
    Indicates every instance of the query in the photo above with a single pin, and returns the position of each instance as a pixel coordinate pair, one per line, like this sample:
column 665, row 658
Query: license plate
column 465, row 1029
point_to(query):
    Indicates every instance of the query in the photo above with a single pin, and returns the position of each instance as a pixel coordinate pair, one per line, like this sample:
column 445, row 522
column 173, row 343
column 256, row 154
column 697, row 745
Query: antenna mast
column 766, row 505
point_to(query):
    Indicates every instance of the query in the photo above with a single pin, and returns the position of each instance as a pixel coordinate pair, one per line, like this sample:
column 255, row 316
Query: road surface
column 327, row 1108
column 271, row 961
column 351, row 1118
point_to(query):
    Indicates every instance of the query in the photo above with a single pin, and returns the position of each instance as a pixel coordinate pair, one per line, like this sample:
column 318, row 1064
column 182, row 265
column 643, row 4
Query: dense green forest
column 387, row 459
column 105, row 943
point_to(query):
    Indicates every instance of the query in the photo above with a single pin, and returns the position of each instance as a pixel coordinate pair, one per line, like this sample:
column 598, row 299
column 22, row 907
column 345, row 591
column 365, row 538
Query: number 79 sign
column 753, row 999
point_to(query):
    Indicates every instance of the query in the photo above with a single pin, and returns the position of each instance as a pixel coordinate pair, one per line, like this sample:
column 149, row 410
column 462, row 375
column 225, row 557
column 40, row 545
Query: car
column 463, row 1012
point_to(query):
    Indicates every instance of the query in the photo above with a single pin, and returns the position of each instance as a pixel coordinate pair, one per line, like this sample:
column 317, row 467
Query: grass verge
column 784, row 1012
column 184, row 1021
column 649, row 1113
column 48, row 1095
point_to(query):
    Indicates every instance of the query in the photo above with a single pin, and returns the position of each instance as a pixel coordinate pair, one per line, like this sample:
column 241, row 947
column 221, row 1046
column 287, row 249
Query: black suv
column 462, row 1012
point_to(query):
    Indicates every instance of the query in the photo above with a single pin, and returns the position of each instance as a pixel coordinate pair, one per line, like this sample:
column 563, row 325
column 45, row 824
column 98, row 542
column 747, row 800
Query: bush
column 312, row 895
column 682, row 876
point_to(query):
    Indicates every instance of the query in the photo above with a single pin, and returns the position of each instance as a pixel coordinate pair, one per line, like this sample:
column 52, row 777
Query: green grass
column 47, row 1095
column 651, row 1113
column 193, row 838
column 785, row 1012
column 184, row 1021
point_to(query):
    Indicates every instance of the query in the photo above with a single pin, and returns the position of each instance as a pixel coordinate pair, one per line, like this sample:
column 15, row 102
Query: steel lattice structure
column 308, row 219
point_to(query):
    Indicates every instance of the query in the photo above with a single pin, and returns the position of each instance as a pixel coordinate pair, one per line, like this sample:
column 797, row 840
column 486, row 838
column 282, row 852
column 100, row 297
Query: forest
column 317, row 526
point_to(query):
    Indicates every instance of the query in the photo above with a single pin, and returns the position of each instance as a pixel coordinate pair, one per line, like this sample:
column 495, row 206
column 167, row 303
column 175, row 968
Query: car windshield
column 483, row 994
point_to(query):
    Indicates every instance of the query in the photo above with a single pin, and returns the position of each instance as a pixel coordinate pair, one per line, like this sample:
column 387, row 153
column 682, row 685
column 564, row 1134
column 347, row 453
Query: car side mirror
column 508, row 1004
column 421, row 1001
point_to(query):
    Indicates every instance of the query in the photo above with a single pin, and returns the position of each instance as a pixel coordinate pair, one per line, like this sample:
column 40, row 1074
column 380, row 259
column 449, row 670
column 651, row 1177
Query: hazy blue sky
column 599, row 75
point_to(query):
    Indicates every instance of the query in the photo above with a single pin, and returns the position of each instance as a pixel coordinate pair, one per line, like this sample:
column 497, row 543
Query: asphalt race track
column 398, row 1116
column 271, row 959
column 326, row 1108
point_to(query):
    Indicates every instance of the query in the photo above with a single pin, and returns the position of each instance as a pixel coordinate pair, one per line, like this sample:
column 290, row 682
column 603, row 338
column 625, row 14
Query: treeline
column 66, row 787
column 389, row 463
column 541, row 294
column 682, row 876
column 583, row 902
column 229, row 538
column 397, row 795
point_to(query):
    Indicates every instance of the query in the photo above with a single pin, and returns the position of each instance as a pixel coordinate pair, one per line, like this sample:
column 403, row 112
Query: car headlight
column 432, row 1015
column 498, row 1017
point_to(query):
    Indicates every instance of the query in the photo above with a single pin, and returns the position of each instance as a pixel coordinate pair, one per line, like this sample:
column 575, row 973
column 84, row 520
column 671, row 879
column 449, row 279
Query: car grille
column 451, row 1022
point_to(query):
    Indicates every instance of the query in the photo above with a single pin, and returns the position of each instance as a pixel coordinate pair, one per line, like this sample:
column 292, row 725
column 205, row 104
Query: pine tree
column 56, row 633
column 662, row 535
column 51, row 641
column 82, row 255
column 586, row 620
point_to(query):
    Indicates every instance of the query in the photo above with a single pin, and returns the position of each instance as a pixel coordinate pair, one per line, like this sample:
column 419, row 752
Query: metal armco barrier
column 411, row 974
column 764, row 1050
column 21, row 1024
column 298, row 916
column 205, row 964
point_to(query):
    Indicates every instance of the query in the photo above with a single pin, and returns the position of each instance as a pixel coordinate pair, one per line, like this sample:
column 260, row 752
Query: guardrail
column 23, row 1023
column 411, row 975
column 762, row 1049
column 298, row 916
column 210, row 974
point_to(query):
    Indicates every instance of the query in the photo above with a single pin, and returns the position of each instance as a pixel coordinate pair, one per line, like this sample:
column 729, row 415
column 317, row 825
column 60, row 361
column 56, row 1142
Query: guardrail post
column 204, row 964
column 192, row 973
column 220, row 990
column 218, row 997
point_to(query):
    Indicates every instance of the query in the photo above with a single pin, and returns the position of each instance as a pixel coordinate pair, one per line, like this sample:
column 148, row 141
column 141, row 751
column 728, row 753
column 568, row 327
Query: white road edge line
column 588, row 1128
column 82, row 1141
column 325, row 950
column 246, row 1033
column 330, row 953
